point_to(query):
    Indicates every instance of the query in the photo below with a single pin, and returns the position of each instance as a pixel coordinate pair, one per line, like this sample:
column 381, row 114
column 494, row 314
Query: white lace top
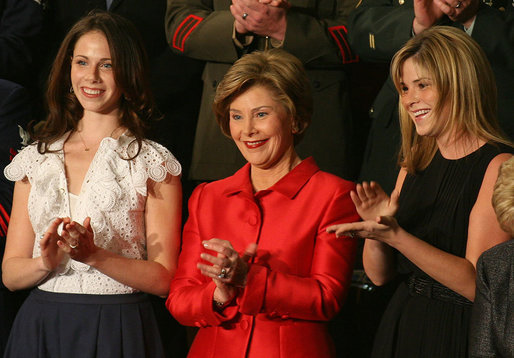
column 113, row 194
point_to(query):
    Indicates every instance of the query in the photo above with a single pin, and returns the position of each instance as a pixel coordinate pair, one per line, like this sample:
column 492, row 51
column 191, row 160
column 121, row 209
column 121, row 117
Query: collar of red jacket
column 289, row 185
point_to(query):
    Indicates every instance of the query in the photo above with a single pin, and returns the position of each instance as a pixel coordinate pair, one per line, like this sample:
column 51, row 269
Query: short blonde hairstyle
column 280, row 72
column 465, row 82
column 503, row 196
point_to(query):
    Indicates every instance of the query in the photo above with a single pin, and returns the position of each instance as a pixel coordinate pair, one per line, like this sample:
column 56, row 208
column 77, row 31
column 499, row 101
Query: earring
column 71, row 89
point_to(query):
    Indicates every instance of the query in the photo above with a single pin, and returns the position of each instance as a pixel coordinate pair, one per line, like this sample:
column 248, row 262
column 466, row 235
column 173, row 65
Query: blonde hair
column 503, row 196
column 275, row 69
column 465, row 83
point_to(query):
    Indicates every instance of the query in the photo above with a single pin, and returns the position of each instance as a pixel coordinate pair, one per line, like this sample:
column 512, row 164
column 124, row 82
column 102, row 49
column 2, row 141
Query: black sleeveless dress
column 425, row 318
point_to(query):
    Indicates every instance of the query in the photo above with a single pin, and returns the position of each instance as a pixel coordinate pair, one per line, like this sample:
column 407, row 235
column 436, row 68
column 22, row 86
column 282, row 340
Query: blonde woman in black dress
column 439, row 218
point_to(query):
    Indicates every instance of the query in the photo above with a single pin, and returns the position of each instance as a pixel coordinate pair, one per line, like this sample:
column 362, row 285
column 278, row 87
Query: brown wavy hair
column 130, row 67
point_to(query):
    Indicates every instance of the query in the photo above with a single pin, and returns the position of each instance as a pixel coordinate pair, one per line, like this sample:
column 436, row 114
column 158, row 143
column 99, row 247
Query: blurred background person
column 315, row 32
column 439, row 218
column 492, row 328
column 15, row 107
column 96, row 207
column 258, row 273
column 21, row 26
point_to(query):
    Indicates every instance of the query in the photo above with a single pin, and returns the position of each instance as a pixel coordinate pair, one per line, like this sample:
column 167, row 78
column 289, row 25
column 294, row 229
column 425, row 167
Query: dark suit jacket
column 379, row 28
column 21, row 23
column 14, row 112
column 492, row 320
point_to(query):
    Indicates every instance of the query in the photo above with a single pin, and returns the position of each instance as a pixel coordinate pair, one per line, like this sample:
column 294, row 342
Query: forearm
column 20, row 273
column 194, row 29
column 378, row 261
column 144, row 275
column 456, row 273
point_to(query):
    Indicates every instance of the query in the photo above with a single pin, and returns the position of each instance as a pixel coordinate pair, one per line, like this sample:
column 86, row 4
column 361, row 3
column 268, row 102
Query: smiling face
column 261, row 128
column 419, row 96
column 92, row 76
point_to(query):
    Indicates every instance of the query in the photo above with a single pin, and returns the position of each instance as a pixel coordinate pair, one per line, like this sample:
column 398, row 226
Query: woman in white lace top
column 96, row 209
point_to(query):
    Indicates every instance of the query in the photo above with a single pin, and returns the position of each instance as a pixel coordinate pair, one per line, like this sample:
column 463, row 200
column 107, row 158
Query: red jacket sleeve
column 319, row 296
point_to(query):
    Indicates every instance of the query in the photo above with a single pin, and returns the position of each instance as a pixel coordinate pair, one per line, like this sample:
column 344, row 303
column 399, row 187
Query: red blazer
column 296, row 282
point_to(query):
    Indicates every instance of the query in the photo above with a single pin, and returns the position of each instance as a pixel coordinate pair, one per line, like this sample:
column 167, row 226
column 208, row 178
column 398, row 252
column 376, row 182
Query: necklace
column 83, row 142
column 86, row 148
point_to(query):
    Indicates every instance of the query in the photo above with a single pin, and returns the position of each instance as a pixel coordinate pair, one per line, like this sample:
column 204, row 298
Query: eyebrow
column 87, row 58
column 253, row 109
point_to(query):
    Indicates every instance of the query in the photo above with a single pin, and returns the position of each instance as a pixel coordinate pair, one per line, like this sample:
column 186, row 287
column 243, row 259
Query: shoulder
column 155, row 159
column 501, row 253
column 330, row 182
column 23, row 163
column 493, row 168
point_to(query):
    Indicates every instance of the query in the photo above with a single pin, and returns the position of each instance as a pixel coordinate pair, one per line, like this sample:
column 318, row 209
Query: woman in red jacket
column 258, row 272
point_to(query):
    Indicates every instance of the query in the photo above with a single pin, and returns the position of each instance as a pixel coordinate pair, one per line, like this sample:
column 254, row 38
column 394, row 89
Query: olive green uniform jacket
column 316, row 34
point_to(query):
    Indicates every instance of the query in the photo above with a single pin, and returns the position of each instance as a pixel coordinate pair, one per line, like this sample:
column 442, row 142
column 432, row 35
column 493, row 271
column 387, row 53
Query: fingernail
column 205, row 244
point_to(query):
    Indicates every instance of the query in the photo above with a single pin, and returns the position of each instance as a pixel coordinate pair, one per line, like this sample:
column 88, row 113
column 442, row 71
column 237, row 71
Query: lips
column 420, row 114
column 91, row 92
column 256, row 143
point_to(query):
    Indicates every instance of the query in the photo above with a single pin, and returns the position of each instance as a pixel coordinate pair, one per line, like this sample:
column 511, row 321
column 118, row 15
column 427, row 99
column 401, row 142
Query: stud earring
column 71, row 89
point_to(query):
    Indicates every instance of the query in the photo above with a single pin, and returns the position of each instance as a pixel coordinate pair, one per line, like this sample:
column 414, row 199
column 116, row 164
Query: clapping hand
column 371, row 201
column 51, row 254
column 383, row 229
column 263, row 18
column 78, row 240
column 228, row 269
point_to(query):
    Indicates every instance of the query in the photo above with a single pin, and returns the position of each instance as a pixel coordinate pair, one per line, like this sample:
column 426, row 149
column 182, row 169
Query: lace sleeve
column 153, row 162
column 23, row 164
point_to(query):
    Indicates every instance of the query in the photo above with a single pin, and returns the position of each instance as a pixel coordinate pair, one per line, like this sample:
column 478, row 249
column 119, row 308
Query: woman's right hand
column 228, row 269
column 51, row 254
column 371, row 201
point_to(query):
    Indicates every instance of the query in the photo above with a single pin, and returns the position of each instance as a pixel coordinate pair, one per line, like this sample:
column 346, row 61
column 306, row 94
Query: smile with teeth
column 92, row 92
column 255, row 144
column 421, row 112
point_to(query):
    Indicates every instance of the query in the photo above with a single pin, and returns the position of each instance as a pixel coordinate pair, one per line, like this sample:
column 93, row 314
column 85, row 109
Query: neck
column 456, row 147
column 263, row 178
column 99, row 126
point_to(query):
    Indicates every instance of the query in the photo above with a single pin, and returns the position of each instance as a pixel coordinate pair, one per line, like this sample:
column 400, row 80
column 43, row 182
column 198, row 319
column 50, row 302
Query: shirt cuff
column 247, row 38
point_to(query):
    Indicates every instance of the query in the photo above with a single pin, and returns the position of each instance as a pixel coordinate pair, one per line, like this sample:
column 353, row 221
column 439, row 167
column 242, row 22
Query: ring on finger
column 74, row 246
column 223, row 273
column 459, row 4
column 244, row 16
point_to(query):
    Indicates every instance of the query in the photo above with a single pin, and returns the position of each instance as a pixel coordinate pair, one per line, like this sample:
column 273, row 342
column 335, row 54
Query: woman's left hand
column 384, row 229
column 227, row 266
column 79, row 240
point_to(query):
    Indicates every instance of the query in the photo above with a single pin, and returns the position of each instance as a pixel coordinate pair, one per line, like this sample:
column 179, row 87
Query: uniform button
column 244, row 324
column 252, row 220
column 197, row 324
column 272, row 314
column 285, row 316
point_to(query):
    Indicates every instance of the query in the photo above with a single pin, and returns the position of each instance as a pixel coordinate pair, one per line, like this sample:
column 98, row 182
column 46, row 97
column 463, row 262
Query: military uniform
column 379, row 28
column 316, row 34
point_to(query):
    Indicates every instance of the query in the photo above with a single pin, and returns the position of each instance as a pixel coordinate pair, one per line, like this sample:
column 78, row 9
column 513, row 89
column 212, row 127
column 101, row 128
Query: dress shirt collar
column 288, row 186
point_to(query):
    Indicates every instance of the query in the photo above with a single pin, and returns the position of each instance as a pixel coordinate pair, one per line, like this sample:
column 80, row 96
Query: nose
column 413, row 97
column 93, row 74
column 249, row 127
